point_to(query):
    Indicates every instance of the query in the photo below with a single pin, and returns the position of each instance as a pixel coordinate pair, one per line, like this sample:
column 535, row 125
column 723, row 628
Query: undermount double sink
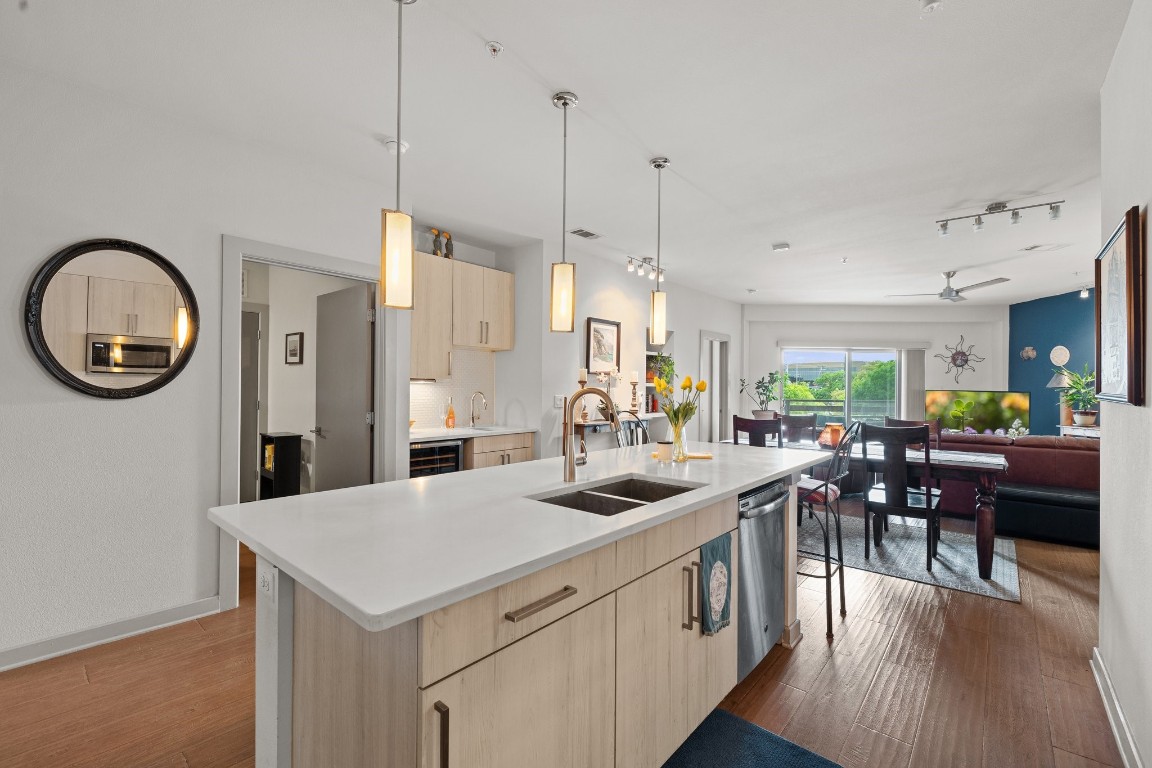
column 616, row 495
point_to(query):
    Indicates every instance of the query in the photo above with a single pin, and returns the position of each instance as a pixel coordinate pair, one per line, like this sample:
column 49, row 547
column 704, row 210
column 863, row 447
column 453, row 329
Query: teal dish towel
column 716, row 584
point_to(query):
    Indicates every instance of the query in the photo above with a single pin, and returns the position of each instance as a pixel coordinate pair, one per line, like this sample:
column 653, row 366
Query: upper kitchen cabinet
column 124, row 307
column 431, row 317
column 483, row 307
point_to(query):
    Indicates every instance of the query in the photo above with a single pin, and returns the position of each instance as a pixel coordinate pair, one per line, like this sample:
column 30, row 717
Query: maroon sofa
column 1050, row 492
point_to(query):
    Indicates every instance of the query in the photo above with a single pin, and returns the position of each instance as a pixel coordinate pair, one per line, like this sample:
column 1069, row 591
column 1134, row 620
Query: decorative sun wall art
column 960, row 358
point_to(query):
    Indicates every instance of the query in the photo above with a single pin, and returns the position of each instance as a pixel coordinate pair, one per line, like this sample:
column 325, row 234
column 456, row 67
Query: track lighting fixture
column 994, row 208
column 631, row 265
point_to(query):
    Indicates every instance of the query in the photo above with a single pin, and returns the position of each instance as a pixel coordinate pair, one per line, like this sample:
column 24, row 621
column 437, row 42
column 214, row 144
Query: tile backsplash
column 472, row 370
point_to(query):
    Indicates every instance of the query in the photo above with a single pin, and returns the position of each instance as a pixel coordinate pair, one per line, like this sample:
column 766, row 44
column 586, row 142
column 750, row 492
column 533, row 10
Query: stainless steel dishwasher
column 761, row 583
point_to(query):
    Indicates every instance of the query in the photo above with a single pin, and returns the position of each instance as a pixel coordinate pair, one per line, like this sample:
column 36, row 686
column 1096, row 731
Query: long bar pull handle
column 692, row 581
column 442, row 709
column 687, row 623
column 541, row 604
column 481, row 331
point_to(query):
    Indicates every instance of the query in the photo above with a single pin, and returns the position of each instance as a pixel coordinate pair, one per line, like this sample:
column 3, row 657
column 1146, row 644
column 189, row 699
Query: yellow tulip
column 687, row 383
column 701, row 386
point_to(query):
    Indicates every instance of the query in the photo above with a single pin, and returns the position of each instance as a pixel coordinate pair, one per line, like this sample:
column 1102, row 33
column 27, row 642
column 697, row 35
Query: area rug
column 726, row 741
column 903, row 553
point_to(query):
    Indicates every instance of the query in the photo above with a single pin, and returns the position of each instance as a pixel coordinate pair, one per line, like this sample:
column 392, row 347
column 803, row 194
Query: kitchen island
column 420, row 622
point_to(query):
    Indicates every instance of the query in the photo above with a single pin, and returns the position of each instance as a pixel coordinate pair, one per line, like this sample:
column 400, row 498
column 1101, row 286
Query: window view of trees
column 841, row 385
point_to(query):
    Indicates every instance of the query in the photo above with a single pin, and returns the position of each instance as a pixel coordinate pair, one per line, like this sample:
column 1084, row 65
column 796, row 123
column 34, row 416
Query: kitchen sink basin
column 639, row 489
column 616, row 495
column 596, row 503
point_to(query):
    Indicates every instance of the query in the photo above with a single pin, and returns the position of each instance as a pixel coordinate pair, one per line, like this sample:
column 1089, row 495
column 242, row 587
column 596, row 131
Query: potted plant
column 762, row 393
column 1080, row 395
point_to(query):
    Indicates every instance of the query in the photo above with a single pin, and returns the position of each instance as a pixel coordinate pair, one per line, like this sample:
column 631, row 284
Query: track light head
column 1054, row 211
column 943, row 229
column 1084, row 293
column 631, row 265
column 978, row 224
column 1016, row 217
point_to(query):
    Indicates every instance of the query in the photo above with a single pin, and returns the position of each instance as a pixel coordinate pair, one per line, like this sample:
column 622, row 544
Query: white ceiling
column 844, row 127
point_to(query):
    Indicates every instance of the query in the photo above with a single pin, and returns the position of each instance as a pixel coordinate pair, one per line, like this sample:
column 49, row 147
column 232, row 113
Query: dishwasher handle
column 766, row 507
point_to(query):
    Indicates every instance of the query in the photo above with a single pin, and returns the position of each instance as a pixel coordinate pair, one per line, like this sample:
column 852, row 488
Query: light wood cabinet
column 483, row 307
column 546, row 700
column 65, row 319
column 431, row 317
column 480, row 452
column 123, row 307
column 669, row 675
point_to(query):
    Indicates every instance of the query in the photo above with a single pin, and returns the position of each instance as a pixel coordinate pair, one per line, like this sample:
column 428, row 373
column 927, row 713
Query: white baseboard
column 1124, row 740
column 86, row 638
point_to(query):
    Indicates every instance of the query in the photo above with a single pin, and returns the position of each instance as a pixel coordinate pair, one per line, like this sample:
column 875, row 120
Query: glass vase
column 679, row 452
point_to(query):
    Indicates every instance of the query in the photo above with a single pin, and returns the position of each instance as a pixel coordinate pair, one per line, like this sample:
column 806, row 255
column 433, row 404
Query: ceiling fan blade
column 901, row 295
column 984, row 284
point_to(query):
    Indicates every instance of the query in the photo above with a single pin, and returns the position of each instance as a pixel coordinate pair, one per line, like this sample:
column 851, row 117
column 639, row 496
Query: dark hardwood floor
column 916, row 676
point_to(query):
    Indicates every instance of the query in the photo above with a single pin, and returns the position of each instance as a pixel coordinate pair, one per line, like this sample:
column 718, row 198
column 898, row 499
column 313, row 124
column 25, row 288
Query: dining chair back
column 894, row 495
column 932, row 424
column 797, row 428
column 758, row 431
column 632, row 430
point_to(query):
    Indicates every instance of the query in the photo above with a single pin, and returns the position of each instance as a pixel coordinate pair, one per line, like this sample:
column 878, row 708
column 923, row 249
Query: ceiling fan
column 950, row 293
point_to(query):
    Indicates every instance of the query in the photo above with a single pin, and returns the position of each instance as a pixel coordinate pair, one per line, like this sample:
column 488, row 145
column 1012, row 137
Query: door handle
column 481, row 331
column 486, row 338
column 545, row 602
column 319, row 431
column 442, row 709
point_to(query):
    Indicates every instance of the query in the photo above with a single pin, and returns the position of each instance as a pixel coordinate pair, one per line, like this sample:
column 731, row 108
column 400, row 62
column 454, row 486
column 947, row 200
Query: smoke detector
column 389, row 143
column 494, row 48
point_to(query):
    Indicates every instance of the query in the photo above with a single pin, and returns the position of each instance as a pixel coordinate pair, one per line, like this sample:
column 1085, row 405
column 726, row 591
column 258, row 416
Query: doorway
column 715, row 423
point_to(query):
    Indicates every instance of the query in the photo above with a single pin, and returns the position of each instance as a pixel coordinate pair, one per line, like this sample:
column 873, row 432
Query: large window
column 842, row 385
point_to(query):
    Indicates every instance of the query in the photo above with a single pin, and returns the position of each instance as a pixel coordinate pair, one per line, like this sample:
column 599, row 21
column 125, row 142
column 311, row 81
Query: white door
column 342, row 453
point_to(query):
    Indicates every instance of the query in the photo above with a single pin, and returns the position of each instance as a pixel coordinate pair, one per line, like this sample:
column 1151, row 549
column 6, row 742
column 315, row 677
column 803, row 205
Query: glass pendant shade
column 396, row 260
column 658, row 320
column 562, row 312
column 181, row 327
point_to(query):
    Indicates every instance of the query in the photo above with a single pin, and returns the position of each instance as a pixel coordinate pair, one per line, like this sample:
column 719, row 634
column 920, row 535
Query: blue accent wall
column 1067, row 320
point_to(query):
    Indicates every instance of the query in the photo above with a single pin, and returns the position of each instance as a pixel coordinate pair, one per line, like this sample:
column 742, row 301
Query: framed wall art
column 1120, row 313
column 294, row 348
column 603, row 340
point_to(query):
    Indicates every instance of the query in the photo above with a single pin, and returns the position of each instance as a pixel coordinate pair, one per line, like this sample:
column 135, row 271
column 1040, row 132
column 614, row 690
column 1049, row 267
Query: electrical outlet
column 266, row 579
column 558, row 401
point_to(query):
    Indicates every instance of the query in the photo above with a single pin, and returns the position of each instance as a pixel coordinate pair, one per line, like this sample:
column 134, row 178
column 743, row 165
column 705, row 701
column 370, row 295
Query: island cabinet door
column 669, row 675
column 546, row 700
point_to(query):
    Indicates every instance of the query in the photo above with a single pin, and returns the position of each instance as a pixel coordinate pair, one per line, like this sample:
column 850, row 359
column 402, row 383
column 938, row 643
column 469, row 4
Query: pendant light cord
column 399, row 87
column 564, row 195
column 659, row 208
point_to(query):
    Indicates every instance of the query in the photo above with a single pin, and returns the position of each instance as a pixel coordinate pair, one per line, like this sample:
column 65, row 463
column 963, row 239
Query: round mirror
column 111, row 318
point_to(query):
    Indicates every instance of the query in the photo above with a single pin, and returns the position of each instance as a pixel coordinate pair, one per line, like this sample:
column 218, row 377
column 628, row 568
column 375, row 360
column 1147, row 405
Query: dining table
column 983, row 469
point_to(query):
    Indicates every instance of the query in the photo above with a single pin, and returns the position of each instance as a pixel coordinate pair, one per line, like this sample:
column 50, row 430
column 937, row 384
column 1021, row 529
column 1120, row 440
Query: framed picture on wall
column 603, row 340
column 1120, row 313
column 294, row 348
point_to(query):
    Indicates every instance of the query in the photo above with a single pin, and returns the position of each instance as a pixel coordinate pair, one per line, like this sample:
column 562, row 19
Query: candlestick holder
column 635, row 402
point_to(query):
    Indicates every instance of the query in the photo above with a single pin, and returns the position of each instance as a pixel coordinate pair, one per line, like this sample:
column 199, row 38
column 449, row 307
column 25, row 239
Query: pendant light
column 658, row 317
column 562, row 307
column 396, row 245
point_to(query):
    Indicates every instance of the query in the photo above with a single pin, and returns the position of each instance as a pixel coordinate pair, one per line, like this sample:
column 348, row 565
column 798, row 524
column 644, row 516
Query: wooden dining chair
column 758, row 431
column 813, row 492
column 795, row 427
column 895, row 496
column 932, row 424
column 632, row 430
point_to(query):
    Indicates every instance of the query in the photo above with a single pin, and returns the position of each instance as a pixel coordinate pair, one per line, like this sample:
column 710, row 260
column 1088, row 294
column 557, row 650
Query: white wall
column 1125, row 482
column 604, row 290
column 104, row 502
column 985, row 327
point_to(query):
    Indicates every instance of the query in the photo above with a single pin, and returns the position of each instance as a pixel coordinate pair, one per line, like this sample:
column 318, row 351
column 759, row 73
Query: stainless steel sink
column 639, row 489
column 616, row 495
column 596, row 503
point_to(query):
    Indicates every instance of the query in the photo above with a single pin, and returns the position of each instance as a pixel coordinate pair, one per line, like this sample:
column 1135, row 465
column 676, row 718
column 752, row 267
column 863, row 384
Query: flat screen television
column 989, row 412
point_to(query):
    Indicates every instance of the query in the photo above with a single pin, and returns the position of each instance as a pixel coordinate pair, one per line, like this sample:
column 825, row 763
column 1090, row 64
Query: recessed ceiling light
column 752, row 290
column 780, row 247
column 389, row 143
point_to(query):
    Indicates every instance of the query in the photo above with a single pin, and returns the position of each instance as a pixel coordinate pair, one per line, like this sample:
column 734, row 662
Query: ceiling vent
column 584, row 233
column 1042, row 247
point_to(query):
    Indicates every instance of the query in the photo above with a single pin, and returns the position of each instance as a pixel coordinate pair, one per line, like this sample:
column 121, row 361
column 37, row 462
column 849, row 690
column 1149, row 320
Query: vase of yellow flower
column 679, row 412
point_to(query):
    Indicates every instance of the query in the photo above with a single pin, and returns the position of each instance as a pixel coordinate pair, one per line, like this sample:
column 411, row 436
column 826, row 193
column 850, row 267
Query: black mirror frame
column 34, row 304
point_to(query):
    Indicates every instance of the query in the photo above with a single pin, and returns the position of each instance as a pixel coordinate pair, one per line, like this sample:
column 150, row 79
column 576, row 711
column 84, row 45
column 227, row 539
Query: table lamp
column 1059, row 380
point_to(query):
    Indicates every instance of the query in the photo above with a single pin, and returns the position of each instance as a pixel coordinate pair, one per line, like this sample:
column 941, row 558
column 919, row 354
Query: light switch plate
column 266, row 578
column 558, row 401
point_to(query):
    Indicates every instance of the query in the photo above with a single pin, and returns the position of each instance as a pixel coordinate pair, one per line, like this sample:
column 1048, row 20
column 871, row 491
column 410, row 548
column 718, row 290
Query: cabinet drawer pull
column 692, row 617
column 442, row 709
column 541, row 604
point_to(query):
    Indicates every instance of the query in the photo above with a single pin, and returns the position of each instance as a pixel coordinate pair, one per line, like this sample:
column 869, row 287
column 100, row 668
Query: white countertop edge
column 375, row 622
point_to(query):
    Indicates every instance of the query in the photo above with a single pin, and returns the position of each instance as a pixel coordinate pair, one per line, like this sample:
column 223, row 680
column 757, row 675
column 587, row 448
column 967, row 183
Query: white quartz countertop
column 390, row 552
column 462, row 433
